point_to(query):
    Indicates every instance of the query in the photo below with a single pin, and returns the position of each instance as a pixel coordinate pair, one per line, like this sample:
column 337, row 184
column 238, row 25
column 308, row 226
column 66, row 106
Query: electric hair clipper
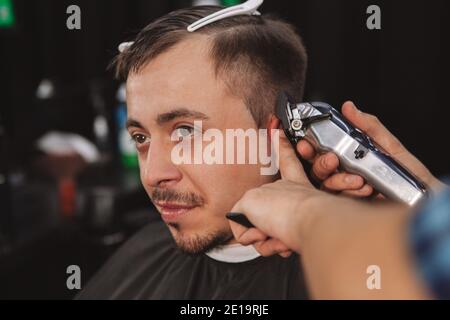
column 327, row 130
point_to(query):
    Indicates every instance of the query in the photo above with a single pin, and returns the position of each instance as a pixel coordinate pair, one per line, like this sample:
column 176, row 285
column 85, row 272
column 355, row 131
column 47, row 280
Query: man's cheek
column 144, row 185
column 142, row 170
column 227, row 184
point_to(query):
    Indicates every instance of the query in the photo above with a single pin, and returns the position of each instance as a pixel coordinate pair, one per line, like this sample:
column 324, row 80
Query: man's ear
column 272, row 123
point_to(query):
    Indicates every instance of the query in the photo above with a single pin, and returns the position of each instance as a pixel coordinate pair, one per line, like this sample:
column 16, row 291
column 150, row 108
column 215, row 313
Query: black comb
column 239, row 218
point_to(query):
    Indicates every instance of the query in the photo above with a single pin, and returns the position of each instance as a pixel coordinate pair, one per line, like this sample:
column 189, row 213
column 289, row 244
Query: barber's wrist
column 311, row 211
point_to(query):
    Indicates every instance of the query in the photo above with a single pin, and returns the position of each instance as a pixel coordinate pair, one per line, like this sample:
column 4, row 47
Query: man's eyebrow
column 180, row 113
column 134, row 123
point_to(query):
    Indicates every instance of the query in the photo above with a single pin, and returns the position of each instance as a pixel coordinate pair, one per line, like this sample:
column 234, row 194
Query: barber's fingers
column 246, row 236
column 373, row 128
column 270, row 247
column 286, row 254
column 250, row 203
column 290, row 166
column 325, row 165
column 306, row 150
column 263, row 244
column 324, row 169
column 364, row 191
column 340, row 186
column 343, row 181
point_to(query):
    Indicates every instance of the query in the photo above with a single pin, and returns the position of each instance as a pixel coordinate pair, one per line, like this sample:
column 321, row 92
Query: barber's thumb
column 290, row 166
column 245, row 235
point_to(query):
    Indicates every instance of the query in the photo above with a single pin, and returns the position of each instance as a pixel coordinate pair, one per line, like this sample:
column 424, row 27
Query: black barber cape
column 149, row 266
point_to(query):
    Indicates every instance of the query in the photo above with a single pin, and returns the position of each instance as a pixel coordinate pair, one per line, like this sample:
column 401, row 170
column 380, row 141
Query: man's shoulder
column 149, row 266
column 152, row 240
column 148, row 246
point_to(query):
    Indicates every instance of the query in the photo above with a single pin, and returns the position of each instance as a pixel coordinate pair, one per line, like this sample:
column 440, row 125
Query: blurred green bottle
column 228, row 3
column 225, row 3
column 127, row 150
column 6, row 14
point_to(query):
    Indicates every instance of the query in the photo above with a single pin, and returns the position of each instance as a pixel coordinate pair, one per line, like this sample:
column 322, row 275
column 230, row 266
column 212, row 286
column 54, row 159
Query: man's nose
column 158, row 169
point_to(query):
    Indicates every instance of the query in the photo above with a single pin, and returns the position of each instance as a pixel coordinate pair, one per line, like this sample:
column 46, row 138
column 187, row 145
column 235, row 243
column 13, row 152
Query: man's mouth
column 172, row 212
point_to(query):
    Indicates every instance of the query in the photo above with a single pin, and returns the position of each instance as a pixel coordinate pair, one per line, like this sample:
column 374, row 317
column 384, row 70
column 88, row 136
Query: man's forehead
column 188, row 55
column 181, row 77
column 186, row 67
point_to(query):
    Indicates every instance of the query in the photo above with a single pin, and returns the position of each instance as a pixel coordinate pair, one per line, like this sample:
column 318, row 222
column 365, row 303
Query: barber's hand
column 325, row 166
column 277, row 210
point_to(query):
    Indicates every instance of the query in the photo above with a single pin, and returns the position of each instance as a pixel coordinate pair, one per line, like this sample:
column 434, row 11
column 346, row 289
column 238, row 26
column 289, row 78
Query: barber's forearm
column 341, row 238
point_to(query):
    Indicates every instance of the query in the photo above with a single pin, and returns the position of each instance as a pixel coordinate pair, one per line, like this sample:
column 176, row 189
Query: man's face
column 165, row 97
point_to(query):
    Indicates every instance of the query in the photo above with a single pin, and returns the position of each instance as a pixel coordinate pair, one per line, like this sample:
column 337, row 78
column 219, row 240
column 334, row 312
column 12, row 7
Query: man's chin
column 195, row 243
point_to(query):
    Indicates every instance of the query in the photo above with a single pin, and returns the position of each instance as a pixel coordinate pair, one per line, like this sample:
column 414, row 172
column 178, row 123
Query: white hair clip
column 249, row 7
column 124, row 46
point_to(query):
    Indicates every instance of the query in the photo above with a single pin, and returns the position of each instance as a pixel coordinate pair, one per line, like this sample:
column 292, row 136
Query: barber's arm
column 325, row 166
column 337, row 237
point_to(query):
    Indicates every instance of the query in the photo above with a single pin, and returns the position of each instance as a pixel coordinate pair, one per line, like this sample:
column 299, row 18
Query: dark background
column 400, row 73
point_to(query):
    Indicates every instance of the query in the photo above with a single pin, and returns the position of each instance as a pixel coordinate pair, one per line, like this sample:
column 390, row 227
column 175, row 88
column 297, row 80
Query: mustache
column 168, row 195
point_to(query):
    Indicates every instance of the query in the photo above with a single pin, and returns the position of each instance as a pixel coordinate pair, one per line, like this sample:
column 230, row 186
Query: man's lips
column 171, row 212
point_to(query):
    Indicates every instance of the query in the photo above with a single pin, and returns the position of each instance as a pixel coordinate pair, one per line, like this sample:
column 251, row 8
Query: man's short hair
column 255, row 56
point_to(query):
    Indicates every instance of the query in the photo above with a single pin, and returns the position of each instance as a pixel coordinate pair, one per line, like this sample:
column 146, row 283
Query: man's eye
column 138, row 138
column 184, row 132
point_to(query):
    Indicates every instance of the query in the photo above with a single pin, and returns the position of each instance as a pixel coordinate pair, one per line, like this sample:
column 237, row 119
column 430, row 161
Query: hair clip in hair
column 124, row 46
column 249, row 7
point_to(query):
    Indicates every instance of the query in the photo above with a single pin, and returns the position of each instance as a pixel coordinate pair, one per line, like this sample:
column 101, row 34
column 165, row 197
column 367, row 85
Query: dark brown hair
column 256, row 56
